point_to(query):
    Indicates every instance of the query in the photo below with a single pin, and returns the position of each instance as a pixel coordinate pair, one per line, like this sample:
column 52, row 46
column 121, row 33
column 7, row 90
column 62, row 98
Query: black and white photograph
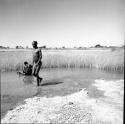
column 62, row 61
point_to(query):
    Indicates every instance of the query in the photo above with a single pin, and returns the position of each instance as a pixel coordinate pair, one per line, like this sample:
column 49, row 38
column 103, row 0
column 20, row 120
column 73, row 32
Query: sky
column 57, row 23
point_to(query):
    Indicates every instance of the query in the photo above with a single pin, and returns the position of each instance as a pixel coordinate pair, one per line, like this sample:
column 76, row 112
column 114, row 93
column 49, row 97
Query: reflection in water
column 38, row 92
column 28, row 79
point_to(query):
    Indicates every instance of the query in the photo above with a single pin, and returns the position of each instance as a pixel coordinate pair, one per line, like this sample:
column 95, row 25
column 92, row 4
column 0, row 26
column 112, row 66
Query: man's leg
column 39, row 79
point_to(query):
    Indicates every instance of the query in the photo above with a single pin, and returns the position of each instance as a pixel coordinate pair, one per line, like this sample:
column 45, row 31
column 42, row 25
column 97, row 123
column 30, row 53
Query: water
column 57, row 82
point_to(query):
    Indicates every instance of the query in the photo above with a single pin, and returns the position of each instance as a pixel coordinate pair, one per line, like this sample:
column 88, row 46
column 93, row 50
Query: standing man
column 37, row 56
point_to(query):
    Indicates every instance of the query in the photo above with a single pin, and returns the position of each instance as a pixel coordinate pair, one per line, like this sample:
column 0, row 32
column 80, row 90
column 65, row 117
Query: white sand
column 113, row 90
column 74, row 108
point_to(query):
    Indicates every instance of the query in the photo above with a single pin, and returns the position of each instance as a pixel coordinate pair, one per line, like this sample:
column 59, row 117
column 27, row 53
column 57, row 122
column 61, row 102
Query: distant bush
column 113, row 49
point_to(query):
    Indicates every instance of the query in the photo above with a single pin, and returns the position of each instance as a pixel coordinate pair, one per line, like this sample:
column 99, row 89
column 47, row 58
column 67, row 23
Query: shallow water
column 57, row 82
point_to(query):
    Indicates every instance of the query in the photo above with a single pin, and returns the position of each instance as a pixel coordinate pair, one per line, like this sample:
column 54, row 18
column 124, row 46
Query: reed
column 100, row 59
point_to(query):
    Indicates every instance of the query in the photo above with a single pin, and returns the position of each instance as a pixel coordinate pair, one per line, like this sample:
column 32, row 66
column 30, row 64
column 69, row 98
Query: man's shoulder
column 39, row 49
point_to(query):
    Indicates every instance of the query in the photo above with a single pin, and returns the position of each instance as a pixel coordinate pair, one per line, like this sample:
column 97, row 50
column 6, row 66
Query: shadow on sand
column 51, row 83
column 30, row 80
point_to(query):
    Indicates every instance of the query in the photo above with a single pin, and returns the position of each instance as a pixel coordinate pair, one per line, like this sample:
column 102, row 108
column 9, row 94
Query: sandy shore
column 74, row 108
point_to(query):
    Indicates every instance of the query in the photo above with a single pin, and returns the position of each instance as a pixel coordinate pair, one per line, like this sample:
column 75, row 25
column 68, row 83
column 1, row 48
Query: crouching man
column 27, row 70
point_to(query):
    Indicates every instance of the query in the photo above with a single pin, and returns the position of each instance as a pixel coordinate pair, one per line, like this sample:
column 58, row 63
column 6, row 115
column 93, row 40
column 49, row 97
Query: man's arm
column 20, row 73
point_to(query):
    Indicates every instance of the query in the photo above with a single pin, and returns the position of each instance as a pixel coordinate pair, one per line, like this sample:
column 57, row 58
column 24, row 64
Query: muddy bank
column 77, row 107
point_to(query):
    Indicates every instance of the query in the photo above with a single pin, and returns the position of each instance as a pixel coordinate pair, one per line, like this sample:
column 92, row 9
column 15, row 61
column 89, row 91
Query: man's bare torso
column 36, row 55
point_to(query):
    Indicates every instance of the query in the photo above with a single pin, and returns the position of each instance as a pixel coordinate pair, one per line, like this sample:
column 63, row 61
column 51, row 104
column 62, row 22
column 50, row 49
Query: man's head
column 26, row 63
column 34, row 44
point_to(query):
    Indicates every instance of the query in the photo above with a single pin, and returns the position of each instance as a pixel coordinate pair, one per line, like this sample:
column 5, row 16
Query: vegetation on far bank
column 108, row 59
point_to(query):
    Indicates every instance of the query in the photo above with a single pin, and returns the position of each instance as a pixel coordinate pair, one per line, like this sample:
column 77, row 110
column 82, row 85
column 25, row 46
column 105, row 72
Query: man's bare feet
column 40, row 80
